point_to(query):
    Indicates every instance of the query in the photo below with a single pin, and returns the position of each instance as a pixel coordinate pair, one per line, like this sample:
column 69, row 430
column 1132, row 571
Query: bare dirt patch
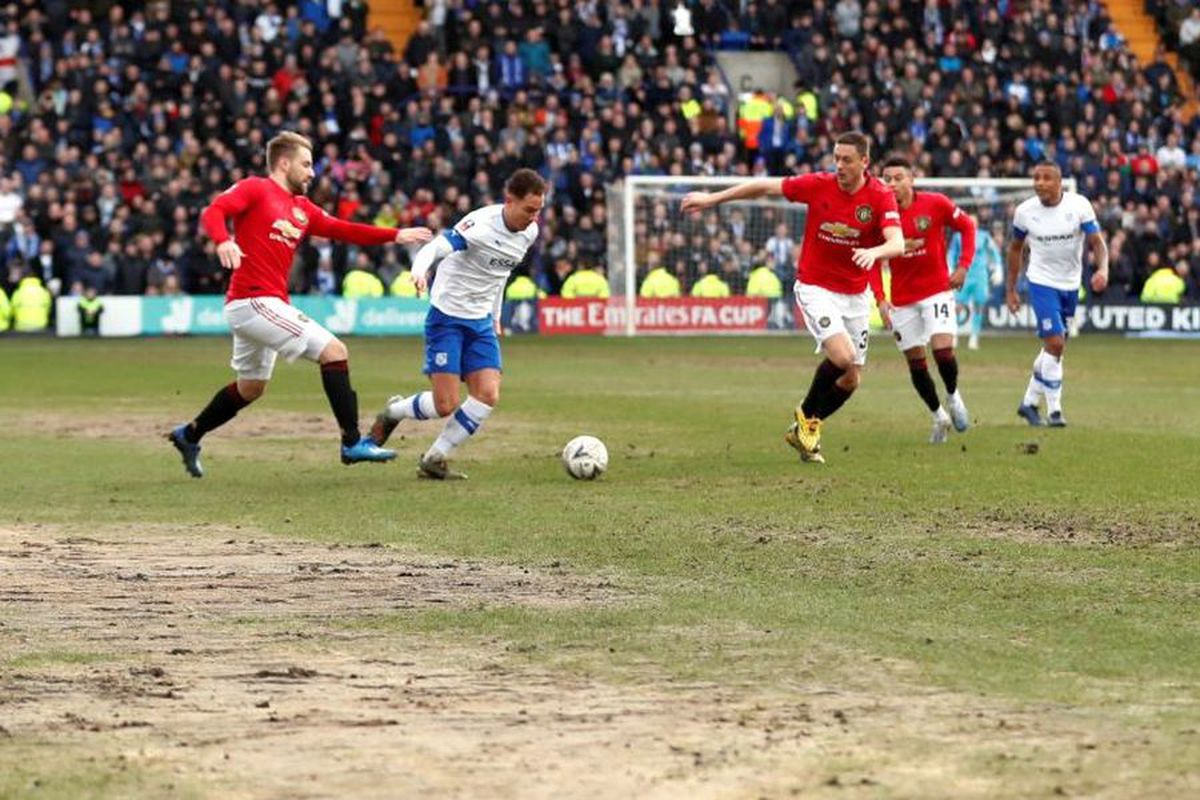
column 225, row 661
column 1075, row 528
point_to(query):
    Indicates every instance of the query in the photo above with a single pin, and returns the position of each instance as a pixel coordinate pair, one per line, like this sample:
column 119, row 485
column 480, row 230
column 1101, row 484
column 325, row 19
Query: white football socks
column 1034, row 391
column 461, row 425
column 1052, row 378
column 417, row 406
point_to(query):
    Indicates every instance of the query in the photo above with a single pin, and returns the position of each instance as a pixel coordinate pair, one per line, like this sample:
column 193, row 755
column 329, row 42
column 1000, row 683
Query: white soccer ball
column 585, row 458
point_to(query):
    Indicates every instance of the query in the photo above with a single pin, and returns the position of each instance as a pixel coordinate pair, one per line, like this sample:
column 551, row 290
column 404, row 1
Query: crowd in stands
column 120, row 120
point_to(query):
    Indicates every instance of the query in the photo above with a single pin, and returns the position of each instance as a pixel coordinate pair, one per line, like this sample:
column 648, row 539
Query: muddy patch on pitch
column 225, row 660
column 1163, row 530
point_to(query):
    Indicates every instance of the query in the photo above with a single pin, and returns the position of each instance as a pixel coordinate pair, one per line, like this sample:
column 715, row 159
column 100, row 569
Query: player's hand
column 229, row 254
column 694, row 202
column 865, row 257
column 885, row 314
column 1099, row 281
column 498, row 327
column 958, row 278
column 1014, row 301
column 420, row 284
column 413, row 235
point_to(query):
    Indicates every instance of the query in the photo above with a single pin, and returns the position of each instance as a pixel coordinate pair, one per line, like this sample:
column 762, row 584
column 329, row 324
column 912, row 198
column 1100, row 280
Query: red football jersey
column 922, row 272
column 838, row 223
column 269, row 222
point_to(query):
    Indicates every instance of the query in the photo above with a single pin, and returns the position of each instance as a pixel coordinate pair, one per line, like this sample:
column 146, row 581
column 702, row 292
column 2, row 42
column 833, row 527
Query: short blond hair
column 285, row 145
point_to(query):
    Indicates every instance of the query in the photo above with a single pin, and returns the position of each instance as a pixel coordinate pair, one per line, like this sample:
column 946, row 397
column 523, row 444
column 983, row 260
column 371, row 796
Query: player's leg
column 941, row 326
column 910, row 331
column 1052, row 364
column 483, row 391
column 443, row 354
column 307, row 339
column 334, row 360
column 1051, row 378
column 841, row 326
column 1047, row 311
column 253, row 361
column 479, row 362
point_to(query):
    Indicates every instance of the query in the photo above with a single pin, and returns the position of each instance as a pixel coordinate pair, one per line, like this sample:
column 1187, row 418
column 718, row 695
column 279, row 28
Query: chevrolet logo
column 840, row 230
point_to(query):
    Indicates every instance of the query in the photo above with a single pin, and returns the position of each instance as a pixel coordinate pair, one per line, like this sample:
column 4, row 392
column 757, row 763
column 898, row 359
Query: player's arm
column 340, row 230
column 498, row 309
column 228, row 205
column 750, row 190
column 1095, row 240
column 432, row 253
column 962, row 222
column 1016, row 249
column 875, row 279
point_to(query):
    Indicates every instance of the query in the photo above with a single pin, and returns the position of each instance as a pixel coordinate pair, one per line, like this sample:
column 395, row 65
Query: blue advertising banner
column 204, row 315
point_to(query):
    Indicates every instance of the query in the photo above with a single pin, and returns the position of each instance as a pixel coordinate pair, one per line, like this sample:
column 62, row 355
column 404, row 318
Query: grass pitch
column 989, row 622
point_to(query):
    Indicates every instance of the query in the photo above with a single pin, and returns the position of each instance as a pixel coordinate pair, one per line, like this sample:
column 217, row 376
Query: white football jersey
column 469, row 281
column 1055, row 235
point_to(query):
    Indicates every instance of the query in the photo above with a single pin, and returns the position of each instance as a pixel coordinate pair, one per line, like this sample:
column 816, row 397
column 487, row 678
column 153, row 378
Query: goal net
column 647, row 232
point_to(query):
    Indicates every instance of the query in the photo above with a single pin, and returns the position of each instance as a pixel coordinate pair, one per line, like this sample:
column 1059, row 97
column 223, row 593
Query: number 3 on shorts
column 864, row 338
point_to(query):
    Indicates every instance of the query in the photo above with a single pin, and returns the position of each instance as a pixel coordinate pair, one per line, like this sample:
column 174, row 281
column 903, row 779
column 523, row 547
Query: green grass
column 47, row 771
column 1071, row 575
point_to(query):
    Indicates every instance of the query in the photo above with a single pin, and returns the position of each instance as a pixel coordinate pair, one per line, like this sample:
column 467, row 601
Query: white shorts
column 914, row 324
column 829, row 313
column 264, row 327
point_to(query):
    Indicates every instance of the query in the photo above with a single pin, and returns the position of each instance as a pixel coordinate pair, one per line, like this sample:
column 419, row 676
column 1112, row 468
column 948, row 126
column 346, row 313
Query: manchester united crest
column 863, row 213
column 923, row 223
column 299, row 214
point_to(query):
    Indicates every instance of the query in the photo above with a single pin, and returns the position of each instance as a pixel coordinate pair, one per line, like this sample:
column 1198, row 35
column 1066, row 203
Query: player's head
column 290, row 160
column 1047, row 182
column 897, row 173
column 851, row 156
column 524, row 194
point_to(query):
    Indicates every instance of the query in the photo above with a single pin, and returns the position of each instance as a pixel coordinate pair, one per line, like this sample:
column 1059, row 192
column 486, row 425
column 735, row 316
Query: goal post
column 648, row 231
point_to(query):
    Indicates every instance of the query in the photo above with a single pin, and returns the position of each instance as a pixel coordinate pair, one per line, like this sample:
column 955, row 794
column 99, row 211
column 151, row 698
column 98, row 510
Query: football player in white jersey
column 1054, row 225
column 463, row 325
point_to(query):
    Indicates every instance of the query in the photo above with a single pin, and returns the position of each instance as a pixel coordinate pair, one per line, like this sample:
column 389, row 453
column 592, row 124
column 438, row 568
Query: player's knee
column 334, row 351
column 445, row 405
column 488, row 395
column 1054, row 346
column 251, row 390
column 850, row 379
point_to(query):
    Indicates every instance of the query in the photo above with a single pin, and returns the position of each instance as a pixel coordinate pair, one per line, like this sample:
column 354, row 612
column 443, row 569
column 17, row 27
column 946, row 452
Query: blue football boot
column 1031, row 415
column 366, row 450
column 189, row 450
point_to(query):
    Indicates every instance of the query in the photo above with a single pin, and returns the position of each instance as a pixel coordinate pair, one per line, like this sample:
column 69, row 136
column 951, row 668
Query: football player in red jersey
column 852, row 223
column 921, row 310
column 271, row 216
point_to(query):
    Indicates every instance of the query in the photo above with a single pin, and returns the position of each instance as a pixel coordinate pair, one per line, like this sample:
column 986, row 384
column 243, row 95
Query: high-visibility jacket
column 764, row 283
column 31, row 305
column 660, row 283
column 1164, row 286
column 402, row 285
column 585, row 283
column 360, row 283
column 5, row 312
column 691, row 108
column 808, row 101
column 522, row 288
column 90, row 311
column 710, row 286
column 751, row 114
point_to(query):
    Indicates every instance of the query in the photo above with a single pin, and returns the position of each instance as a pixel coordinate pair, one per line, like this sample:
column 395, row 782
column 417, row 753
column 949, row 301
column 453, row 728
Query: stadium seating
column 115, row 130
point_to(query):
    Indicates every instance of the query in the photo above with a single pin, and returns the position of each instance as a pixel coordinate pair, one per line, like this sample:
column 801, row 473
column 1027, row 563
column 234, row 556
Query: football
column 585, row 458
